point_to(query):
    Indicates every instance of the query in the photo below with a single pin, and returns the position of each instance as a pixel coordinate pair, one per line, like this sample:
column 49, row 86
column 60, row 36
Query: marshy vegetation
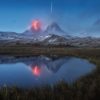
column 86, row 88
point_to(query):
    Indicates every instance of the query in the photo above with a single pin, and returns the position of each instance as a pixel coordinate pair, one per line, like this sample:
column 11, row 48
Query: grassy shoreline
column 86, row 88
column 59, row 51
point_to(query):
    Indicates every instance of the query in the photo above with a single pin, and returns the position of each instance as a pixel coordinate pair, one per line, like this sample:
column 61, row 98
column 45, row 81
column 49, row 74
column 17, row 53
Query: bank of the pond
column 86, row 88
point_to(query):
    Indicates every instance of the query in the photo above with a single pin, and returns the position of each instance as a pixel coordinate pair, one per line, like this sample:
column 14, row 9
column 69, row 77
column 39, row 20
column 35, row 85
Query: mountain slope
column 53, row 35
column 54, row 28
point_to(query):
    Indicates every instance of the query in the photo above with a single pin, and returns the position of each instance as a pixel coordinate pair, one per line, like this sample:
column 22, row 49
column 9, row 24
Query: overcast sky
column 77, row 17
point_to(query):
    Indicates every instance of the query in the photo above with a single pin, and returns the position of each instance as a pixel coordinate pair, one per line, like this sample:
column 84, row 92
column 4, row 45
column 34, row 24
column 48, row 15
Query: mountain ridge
column 53, row 35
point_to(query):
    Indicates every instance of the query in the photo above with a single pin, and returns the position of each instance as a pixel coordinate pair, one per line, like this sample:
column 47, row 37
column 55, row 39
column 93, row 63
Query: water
column 39, row 71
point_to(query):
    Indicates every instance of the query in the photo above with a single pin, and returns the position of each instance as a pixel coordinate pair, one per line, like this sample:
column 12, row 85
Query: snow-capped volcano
column 53, row 35
column 54, row 28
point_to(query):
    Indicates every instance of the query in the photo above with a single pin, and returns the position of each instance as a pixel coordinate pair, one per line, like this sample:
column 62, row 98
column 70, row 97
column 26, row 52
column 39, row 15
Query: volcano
column 52, row 35
column 54, row 28
column 36, row 26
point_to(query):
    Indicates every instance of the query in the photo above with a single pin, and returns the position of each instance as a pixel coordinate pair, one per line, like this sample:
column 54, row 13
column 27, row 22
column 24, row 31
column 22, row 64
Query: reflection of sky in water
column 39, row 71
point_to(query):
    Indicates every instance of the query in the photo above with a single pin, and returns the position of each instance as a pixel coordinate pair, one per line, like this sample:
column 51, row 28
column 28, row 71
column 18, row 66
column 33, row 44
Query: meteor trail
column 51, row 6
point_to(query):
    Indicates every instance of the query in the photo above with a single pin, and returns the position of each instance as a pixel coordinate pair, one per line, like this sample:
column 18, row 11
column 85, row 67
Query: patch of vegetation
column 86, row 88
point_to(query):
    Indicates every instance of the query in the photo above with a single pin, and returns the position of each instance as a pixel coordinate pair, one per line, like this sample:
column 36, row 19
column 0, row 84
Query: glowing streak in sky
column 51, row 7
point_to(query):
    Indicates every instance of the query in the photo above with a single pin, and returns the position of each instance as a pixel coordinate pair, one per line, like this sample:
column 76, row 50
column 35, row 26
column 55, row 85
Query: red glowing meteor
column 36, row 70
column 36, row 25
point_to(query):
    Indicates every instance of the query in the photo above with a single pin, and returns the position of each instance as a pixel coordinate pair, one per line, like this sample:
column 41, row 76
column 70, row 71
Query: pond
column 29, row 72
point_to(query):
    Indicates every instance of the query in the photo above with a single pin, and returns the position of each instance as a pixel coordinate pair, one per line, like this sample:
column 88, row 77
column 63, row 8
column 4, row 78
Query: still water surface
column 39, row 71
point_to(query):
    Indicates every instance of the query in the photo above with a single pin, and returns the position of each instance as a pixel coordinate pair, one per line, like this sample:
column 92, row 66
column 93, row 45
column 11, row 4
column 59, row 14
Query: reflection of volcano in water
column 38, row 71
column 52, row 65
column 35, row 63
